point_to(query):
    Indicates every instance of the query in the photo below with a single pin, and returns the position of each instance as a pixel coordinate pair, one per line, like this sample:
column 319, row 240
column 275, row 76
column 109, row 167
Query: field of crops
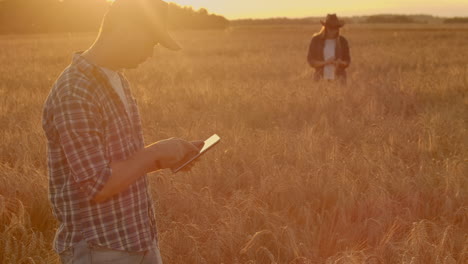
column 374, row 172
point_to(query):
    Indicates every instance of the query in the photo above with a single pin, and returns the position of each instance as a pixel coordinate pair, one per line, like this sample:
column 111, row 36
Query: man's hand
column 170, row 152
column 125, row 172
column 199, row 144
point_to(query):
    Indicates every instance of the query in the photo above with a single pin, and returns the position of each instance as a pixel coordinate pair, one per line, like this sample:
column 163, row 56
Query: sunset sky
column 233, row 9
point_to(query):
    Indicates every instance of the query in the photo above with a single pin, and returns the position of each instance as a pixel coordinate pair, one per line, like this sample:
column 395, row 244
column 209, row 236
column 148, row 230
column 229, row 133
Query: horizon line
column 345, row 16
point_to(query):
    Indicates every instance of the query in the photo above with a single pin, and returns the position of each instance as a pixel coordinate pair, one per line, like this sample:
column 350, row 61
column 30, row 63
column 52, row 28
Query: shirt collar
column 81, row 63
column 86, row 66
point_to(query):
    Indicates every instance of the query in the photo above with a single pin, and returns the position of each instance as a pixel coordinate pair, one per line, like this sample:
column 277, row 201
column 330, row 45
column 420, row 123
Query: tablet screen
column 209, row 143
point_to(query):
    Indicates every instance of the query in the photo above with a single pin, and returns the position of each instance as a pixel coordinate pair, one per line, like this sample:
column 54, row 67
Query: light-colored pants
column 82, row 253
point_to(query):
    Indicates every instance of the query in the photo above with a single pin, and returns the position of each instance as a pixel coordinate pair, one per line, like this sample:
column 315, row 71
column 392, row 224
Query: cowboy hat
column 332, row 21
column 150, row 14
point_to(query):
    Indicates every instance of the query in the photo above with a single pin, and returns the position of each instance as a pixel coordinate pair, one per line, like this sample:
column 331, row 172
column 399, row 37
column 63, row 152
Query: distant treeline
column 275, row 21
column 50, row 16
column 187, row 18
column 393, row 19
column 408, row 19
column 456, row 20
column 373, row 19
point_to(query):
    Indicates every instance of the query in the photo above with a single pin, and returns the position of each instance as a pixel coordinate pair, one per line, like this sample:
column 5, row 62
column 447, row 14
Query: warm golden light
column 302, row 8
column 307, row 170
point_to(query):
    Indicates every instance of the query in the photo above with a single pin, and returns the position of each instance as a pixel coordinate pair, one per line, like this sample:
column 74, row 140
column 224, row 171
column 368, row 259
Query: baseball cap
column 151, row 14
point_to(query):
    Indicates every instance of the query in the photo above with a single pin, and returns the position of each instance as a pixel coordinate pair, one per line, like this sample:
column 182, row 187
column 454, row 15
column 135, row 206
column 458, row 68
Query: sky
column 235, row 9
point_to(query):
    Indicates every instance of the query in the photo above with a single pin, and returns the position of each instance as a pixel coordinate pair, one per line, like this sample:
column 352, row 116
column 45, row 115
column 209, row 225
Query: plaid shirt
column 87, row 127
column 316, row 47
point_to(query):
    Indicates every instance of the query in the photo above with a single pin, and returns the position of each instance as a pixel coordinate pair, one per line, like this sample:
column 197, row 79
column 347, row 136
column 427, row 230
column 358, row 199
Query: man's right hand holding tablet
column 160, row 155
column 170, row 152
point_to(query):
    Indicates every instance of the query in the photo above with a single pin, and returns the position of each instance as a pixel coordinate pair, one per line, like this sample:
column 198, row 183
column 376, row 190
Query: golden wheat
column 374, row 172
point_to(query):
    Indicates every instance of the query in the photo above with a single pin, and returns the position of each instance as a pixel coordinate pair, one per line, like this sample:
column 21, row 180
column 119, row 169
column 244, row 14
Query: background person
column 329, row 51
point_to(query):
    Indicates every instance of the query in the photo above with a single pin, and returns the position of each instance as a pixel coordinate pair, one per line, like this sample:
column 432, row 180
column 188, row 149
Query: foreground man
column 96, row 156
column 329, row 51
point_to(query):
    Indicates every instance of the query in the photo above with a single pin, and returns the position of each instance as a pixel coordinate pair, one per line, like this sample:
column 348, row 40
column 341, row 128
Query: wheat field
column 375, row 172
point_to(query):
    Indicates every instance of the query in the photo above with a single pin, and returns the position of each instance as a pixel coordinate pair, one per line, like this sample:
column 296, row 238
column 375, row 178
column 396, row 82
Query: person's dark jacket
column 316, row 53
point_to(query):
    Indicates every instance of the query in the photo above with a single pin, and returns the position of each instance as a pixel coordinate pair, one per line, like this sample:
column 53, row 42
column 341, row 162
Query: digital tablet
column 209, row 143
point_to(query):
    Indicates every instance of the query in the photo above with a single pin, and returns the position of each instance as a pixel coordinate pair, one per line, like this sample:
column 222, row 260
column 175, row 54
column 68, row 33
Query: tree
column 46, row 16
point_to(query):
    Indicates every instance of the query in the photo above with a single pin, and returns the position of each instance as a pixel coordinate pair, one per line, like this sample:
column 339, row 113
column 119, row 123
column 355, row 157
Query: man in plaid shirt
column 96, row 155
